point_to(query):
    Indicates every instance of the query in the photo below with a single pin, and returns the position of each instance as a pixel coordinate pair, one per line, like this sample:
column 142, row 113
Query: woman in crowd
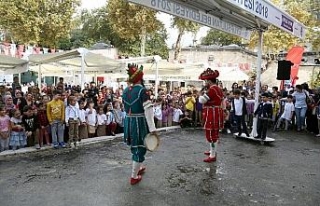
column 300, row 97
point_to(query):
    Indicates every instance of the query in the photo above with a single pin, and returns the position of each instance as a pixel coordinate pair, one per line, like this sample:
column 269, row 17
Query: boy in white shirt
column 91, row 115
column 83, row 129
column 72, row 116
column 287, row 113
column 158, row 113
column 176, row 115
column 101, row 122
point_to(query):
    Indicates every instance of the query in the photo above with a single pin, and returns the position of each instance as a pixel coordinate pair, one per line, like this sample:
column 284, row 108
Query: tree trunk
column 143, row 38
column 178, row 46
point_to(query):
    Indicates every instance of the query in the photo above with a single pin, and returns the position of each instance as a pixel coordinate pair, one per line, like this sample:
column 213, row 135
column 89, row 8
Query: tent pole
column 39, row 77
column 258, row 82
column 74, row 78
column 82, row 71
column 20, row 80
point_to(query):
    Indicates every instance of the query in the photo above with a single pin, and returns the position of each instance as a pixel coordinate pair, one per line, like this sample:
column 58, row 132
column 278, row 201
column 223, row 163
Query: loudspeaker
column 284, row 70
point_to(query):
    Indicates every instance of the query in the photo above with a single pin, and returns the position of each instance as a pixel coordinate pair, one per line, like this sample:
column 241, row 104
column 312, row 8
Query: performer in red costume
column 213, row 114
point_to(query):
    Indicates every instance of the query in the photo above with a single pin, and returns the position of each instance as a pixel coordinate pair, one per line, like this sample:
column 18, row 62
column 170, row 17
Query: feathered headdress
column 135, row 73
column 209, row 74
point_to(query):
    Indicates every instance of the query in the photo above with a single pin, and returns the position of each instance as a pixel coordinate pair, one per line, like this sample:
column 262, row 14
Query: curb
column 83, row 142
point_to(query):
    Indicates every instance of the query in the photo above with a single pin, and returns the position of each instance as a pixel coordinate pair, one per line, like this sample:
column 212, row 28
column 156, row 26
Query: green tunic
column 135, row 124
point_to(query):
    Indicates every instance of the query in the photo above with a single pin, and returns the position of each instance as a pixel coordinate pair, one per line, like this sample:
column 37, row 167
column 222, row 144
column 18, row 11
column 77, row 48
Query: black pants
column 241, row 122
column 262, row 128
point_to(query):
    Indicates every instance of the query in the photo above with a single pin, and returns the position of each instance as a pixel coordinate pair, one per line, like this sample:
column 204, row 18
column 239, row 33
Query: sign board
column 268, row 12
column 6, row 78
column 188, row 13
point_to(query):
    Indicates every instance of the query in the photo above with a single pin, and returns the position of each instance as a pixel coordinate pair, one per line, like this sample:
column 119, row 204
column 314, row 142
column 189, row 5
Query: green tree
column 132, row 22
column 183, row 26
column 95, row 25
column 38, row 22
column 21, row 19
column 155, row 45
column 215, row 37
column 57, row 20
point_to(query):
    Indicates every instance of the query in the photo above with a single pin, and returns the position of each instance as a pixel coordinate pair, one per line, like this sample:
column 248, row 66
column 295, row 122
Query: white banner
column 191, row 14
column 269, row 13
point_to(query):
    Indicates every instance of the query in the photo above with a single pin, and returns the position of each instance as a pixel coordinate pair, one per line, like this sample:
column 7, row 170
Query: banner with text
column 271, row 14
column 201, row 17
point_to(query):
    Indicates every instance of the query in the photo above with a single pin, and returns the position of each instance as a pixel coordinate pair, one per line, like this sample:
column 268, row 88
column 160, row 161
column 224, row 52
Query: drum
column 151, row 141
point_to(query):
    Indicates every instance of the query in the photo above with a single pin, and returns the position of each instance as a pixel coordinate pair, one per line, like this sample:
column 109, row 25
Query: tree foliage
column 37, row 21
column 276, row 40
column 132, row 22
column 183, row 26
column 315, row 80
column 215, row 37
column 94, row 26
column 155, row 45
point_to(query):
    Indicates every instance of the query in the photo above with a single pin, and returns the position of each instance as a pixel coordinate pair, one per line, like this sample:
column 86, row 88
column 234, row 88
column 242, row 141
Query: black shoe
column 257, row 137
column 247, row 134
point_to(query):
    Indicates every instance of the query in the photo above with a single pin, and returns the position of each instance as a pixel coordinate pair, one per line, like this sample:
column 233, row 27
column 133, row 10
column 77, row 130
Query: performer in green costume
column 139, row 119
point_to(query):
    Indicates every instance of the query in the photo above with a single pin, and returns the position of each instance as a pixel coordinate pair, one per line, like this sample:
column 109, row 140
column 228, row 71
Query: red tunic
column 213, row 115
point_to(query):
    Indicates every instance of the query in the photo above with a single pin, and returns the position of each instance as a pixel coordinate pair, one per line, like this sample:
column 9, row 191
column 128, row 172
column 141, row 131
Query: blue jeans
column 301, row 116
column 57, row 128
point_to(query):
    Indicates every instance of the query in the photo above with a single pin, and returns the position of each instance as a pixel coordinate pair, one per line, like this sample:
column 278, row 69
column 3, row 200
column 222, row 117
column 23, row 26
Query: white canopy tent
column 82, row 58
column 234, row 17
column 229, row 75
column 12, row 65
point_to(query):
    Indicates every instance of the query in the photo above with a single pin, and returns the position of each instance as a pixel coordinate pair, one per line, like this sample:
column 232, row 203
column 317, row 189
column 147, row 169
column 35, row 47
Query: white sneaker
column 318, row 135
column 37, row 146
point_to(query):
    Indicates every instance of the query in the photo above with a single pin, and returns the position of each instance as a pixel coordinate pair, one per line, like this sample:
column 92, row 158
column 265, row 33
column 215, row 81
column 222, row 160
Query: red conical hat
column 209, row 74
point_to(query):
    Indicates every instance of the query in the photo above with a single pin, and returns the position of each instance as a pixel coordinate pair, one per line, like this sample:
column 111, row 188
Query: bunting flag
column 295, row 56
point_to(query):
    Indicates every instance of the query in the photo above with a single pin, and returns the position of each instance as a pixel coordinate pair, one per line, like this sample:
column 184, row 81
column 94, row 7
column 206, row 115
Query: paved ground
column 247, row 173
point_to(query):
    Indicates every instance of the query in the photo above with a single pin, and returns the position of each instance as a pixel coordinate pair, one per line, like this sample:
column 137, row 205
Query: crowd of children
column 64, row 116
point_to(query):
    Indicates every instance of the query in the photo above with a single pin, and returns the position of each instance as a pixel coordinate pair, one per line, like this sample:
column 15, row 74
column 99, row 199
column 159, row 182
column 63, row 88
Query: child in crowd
column 158, row 113
column 18, row 136
column 170, row 113
column 275, row 108
column 4, row 129
column 287, row 113
column 91, row 115
column 165, row 114
column 101, row 122
column 119, row 117
column 83, row 128
column 72, row 116
column 186, row 120
column 43, row 124
column 198, row 111
column 176, row 115
column 31, row 125
column 111, row 122
column 9, row 106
